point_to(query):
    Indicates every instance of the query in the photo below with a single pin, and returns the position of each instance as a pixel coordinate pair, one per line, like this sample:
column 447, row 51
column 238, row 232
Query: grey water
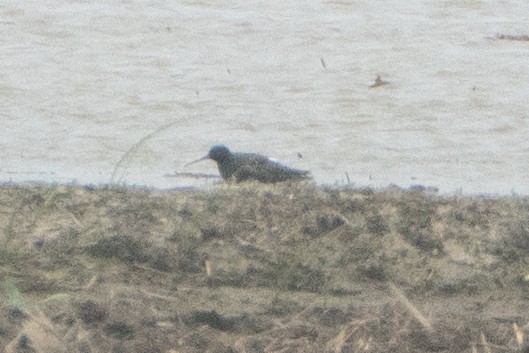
column 83, row 84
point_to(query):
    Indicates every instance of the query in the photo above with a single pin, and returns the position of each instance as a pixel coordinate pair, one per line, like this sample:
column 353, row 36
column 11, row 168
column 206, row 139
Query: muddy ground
column 252, row 268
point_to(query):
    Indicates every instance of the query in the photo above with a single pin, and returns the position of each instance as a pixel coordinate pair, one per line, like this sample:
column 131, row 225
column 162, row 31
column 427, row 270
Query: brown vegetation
column 253, row 268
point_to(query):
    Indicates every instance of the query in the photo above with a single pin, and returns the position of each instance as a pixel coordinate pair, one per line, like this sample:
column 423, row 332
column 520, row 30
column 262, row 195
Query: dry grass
column 252, row 268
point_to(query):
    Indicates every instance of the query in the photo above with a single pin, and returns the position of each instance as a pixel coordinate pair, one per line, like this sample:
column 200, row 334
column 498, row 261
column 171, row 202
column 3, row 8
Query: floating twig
column 192, row 175
column 516, row 37
column 379, row 82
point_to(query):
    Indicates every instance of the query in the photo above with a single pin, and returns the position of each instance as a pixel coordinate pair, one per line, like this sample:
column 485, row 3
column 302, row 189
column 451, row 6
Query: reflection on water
column 82, row 82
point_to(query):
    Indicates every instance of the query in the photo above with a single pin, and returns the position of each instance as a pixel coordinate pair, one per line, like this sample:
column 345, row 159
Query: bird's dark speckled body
column 250, row 166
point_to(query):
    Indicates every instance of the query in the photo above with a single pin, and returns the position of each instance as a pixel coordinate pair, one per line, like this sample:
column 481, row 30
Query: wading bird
column 251, row 166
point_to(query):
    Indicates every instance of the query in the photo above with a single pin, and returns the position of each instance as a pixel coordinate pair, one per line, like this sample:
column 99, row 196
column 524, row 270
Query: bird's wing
column 264, row 169
column 250, row 166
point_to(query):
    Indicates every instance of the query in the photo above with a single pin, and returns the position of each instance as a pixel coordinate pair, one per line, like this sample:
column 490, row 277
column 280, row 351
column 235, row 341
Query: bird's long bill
column 198, row 160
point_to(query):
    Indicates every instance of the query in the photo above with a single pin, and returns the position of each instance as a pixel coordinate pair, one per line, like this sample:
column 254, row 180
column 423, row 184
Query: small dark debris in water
column 300, row 156
column 516, row 37
column 379, row 82
column 168, row 29
column 228, row 71
column 323, row 63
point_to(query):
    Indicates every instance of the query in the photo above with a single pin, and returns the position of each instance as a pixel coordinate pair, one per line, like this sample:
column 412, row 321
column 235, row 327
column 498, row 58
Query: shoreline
column 280, row 267
column 429, row 189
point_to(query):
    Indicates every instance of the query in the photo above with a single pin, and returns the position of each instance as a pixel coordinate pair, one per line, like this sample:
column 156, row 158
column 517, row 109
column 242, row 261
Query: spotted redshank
column 250, row 166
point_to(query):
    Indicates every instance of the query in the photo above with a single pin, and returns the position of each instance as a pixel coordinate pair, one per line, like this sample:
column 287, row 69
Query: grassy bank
column 255, row 268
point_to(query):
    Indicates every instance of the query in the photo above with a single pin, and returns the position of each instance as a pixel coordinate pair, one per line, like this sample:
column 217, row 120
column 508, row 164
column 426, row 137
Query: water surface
column 82, row 82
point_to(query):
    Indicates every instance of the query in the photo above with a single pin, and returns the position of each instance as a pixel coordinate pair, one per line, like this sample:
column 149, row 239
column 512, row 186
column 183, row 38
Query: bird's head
column 218, row 153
